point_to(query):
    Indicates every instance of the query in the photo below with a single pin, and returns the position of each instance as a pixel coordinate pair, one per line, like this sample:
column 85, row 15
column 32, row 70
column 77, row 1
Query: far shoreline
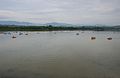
column 57, row 28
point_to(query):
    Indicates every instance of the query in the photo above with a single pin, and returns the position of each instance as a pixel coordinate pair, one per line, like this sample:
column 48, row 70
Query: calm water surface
column 60, row 54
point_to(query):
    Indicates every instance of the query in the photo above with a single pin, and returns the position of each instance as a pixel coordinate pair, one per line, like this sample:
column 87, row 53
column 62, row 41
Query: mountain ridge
column 31, row 24
column 17, row 23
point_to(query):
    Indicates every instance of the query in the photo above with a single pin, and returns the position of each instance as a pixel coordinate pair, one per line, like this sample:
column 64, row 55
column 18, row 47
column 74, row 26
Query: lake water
column 60, row 54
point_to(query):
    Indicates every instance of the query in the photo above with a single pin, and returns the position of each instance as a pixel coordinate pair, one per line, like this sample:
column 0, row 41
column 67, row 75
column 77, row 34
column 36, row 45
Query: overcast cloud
column 67, row 11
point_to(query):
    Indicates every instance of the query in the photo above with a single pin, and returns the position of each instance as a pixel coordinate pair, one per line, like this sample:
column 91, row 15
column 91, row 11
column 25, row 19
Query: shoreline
column 57, row 28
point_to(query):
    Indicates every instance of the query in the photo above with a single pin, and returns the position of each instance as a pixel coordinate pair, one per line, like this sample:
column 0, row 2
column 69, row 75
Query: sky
column 65, row 11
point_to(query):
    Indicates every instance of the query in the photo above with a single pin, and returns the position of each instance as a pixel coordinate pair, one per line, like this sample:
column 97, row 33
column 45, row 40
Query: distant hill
column 58, row 24
column 47, row 24
column 15, row 23
column 32, row 24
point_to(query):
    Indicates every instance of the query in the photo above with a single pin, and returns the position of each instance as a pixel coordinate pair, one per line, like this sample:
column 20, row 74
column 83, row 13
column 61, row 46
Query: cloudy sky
column 65, row 11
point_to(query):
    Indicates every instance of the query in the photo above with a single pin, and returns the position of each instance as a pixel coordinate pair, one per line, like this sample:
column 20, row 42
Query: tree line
column 55, row 28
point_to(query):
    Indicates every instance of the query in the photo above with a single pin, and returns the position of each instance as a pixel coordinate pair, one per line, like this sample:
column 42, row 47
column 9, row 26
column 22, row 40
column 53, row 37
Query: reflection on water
column 61, row 54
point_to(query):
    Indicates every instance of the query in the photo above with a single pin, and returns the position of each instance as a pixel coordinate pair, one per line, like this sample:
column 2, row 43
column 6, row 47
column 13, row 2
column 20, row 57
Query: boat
column 93, row 38
column 109, row 38
column 13, row 37
column 20, row 33
column 26, row 34
column 77, row 33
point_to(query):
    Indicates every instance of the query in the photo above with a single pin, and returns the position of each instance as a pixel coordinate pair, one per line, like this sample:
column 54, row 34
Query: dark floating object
column 109, row 38
column 26, row 34
column 20, row 33
column 77, row 33
column 93, row 38
column 13, row 37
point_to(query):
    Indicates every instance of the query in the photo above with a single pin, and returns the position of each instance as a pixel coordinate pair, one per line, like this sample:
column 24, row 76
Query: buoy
column 93, row 38
column 20, row 33
column 13, row 37
column 109, row 38
column 77, row 33
column 26, row 34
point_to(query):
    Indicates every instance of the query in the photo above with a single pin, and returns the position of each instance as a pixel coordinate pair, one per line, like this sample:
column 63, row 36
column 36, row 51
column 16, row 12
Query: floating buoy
column 93, row 38
column 20, row 33
column 109, row 38
column 77, row 33
column 13, row 37
column 26, row 34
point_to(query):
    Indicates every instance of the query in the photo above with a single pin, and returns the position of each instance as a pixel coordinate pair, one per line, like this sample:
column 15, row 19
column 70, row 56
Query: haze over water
column 60, row 54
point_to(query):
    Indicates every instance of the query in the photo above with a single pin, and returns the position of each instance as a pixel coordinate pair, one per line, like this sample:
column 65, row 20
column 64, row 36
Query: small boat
column 77, row 33
column 26, row 34
column 93, row 38
column 13, row 37
column 20, row 33
column 109, row 38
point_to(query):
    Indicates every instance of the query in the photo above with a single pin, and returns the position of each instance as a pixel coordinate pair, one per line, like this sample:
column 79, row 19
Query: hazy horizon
column 104, row 12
